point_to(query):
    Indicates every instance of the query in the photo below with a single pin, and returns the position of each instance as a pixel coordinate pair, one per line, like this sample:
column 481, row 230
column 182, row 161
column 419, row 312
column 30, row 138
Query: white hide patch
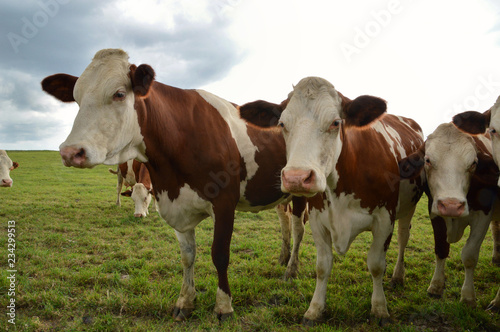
column 238, row 129
column 186, row 211
column 390, row 135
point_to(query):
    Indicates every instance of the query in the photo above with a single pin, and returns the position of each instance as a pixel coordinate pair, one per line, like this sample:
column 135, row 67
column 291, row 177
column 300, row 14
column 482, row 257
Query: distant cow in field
column 6, row 165
column 343, row 154
column 461, row 179
column 477, row 124
column 134, row 174
column 203, row 159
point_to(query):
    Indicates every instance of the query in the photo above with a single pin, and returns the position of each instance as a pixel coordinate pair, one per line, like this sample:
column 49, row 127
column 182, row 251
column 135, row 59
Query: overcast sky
column 428, row 59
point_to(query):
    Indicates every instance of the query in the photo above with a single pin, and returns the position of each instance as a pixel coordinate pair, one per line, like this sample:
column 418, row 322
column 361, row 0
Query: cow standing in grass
column 344, row 155
column 6, row 165
column 461, row 186
column 203, row 159
column 476, row 123
column 135, row 175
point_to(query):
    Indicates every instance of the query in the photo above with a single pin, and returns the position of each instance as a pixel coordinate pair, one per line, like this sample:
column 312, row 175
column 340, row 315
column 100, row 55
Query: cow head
column 478, row 123
column 141, row 197
column 106, row 129
column 450, row 158
column 312, row 127
column 6, row 165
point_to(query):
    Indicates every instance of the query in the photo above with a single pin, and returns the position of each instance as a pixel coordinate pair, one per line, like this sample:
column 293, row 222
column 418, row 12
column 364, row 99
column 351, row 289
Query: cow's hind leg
column 283, row 216
column 404, row 226
column 185, row 303
column 494, row 305
column 223, row 230
column 495, row 230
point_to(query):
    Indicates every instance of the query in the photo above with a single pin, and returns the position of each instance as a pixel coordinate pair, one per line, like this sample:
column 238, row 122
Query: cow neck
column 160, row 116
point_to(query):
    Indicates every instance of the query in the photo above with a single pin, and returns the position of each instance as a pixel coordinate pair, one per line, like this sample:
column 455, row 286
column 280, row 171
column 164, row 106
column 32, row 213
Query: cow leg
column 285, row 233
column 324, row 261
column 382, row 233
column 495, row 230
column 298, row 212
column 223, row 230
column 404, row 226
column 119, row 186
column 185, row 303
column 442, row 250
column 494, row 305
column 470, row 255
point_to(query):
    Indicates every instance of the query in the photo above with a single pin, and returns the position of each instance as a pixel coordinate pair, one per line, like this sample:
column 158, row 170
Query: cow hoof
column 309, row 322
column 492, row 308
column 224, row 317
column 396, row 283
column 469, row 302
column 380, row 321
column 289, row 275
column 181, row 315
column 434, row 296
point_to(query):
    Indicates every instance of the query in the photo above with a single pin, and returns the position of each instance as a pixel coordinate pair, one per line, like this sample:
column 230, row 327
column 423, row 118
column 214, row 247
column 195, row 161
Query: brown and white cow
column 461, row 179
column 344, row 155
column 6, row 165
column 135, row 175
column 477, row 124
column 203, row 159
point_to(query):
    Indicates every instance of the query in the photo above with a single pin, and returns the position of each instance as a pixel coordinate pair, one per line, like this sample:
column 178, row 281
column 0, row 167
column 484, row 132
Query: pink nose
column 451, row 207
column 296, row 181
column 73, row 156
column 6, row 183
column 138, row 215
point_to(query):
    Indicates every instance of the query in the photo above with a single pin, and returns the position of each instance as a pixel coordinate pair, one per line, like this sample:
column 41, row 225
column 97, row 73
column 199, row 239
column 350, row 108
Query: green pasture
column 84, row 264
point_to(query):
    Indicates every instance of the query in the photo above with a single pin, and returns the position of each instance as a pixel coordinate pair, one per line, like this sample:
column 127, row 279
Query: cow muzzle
column 452, row 207
column 73, row 156
column 6, row 183
column 299, row 182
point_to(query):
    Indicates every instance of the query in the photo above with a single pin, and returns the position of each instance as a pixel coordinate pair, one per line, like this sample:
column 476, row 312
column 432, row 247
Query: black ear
column 411, row 166
column 261, row 113
column 363, row 110
column 142, row 77
column 472, row 122
column 60, row 86
column 127, row 193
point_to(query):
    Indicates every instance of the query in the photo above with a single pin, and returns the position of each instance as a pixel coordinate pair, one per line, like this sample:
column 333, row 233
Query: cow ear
column 142, row 77
column 363, row 110
column 60, row 86
column 127, row 193
column 14, row 165
column 261, row 113
column 472, row 122
column 411, row 166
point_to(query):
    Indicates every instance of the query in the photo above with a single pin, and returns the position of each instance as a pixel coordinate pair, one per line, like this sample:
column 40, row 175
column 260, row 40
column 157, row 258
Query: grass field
column 84, row 264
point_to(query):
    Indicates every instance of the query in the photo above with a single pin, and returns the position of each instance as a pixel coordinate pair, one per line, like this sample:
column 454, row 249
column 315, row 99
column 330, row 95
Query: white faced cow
column 203, row 159
column 135, row 175
column 6, row 165
column 461, row 186
column 345, row 153
column 477, row 124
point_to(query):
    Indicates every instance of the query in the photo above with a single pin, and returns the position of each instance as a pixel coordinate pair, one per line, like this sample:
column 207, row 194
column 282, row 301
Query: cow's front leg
column 495, row 231
column 298, row 215
column 404, row 225
column 185, row 303
column 442, row 250
column 470, row 256
column 223, row 230
column 324, row 261
column 382, row 233
column 494, row 305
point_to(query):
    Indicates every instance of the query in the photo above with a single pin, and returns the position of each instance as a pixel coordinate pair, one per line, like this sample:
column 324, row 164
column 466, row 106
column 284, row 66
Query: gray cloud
column 44, row 37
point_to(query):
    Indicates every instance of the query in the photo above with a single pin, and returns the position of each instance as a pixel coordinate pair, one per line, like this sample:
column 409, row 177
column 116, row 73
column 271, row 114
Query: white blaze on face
column 450, row 161
column 142, row 198
column 106, row 126
column 494, row 130
column 6, row 165
column 311, row 123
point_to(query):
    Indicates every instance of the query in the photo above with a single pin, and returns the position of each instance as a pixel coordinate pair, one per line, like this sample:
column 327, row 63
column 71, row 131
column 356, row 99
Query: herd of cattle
column 348, row 164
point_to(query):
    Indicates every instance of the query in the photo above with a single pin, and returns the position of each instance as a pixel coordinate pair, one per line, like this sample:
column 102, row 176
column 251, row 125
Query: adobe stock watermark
column 31, row 25
column 365, row 35
column 487, row 88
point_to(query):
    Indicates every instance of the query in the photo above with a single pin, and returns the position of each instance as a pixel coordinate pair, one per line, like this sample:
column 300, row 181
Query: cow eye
column 282, row 125
column 335, row 124
column 428, row 161
column 473, row 165
column 492, row 131
column 119, row 96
